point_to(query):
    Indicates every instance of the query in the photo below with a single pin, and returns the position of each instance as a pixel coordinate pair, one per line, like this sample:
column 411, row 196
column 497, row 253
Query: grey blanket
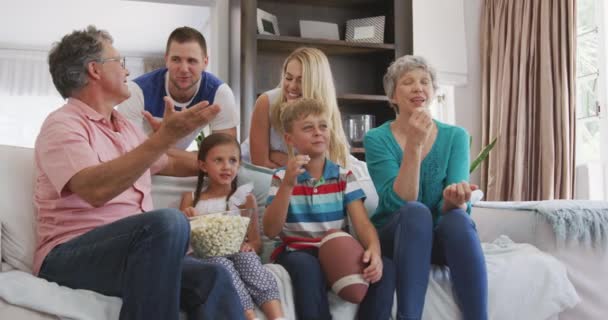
column 584, row 221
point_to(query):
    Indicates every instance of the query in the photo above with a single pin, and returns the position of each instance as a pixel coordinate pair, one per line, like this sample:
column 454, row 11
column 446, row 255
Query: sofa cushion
column 17, row 209
column 167, row 191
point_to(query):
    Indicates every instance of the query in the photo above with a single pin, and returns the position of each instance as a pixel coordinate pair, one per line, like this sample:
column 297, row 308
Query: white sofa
column 525, row 283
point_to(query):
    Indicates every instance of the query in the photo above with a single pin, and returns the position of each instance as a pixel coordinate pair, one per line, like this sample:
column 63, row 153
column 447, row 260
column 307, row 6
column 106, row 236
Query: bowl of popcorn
column 219, row 234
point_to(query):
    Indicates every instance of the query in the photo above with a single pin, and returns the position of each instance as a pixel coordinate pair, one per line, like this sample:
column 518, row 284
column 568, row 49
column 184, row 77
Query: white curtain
column 27, row 93
column 25, row 73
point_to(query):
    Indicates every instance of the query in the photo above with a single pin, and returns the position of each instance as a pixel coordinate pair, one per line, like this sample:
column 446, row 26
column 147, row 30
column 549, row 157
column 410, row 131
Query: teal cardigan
column 447, row 162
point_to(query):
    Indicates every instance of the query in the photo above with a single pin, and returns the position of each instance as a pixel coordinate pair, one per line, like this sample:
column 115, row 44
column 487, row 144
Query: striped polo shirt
column 317, row 205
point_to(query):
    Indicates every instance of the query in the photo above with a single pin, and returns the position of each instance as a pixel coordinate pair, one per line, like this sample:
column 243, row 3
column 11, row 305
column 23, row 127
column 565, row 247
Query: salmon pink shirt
column 73, row 138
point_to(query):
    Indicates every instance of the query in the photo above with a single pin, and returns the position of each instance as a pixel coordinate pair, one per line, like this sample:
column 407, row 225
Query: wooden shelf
column 329, row 3
column 361, row 98
column 330, row 47
column 357, row 150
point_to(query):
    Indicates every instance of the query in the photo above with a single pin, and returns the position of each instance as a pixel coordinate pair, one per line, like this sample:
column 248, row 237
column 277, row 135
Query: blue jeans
column 410, row 239
column 310, row 287
column 141, row 260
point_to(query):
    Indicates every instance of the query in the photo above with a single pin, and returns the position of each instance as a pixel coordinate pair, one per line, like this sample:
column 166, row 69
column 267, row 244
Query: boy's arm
column 369, row 238
column 276, row 212
column 366, row 232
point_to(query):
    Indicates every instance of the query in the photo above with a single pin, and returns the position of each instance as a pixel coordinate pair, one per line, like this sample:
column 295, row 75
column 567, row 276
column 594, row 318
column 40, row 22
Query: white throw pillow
column 260, row 177
column 17, row 207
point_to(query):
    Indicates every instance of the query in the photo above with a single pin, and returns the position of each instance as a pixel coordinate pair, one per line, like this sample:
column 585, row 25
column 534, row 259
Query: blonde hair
column 300, row 109
column 317, row 84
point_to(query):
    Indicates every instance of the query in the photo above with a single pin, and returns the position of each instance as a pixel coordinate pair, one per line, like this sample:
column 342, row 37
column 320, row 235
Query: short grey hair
column 402, row 66
column 69, row 57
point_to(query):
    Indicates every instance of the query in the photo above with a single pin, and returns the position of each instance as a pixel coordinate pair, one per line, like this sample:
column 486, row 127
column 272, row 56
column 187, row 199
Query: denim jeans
column 141, row 259
column 410, row 239
column 310, row 288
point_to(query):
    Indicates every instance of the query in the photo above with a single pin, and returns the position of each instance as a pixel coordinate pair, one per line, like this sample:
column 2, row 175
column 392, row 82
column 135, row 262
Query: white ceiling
column 137, row 27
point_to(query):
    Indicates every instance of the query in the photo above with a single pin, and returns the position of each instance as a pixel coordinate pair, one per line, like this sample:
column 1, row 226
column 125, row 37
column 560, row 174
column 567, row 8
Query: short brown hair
column 69, row 57
column 298, row 109
column 187, row 34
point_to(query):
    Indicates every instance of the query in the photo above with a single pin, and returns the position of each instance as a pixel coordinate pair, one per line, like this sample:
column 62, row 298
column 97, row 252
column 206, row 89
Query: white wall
column 138, row 28
column 468, row 97
column 439, row 36
column 446, row 32
column 29, row 27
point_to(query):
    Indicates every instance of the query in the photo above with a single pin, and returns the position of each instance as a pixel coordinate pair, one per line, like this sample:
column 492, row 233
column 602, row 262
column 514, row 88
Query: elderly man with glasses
column 97, row 229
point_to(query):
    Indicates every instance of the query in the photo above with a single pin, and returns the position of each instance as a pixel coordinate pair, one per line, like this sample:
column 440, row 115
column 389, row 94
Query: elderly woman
column 420, row 168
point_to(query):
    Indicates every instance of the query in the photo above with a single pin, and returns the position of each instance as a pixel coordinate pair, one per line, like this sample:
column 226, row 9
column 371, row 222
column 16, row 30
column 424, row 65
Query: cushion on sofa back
column 167, row 191
column 17, row 208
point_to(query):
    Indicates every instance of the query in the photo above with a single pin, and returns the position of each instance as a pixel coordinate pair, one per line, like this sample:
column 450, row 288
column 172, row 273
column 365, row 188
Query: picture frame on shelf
column 369, row 30
column 319, row 30
column 267, row 23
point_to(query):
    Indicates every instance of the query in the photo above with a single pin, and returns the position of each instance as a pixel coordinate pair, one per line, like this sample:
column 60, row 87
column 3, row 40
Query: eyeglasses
column 122, row 60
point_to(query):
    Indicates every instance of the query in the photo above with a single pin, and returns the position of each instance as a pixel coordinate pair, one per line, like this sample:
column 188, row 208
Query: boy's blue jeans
column 142, row 260
column 410, row 239
column 310, row 288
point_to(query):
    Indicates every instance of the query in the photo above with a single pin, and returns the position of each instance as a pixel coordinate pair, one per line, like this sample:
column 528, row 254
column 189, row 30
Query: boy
column 310, row 196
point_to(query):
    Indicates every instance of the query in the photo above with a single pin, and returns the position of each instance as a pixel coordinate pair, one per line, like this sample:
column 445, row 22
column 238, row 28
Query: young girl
column 219, row 158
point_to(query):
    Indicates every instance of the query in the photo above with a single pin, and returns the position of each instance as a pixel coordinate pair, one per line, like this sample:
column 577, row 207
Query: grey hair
column 69, row 57
column 402, row 66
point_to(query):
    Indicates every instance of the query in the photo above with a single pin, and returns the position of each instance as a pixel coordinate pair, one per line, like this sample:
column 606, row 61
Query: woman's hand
column 373, row 272
column 457, row 195
column 294, row 168
column 419, row 127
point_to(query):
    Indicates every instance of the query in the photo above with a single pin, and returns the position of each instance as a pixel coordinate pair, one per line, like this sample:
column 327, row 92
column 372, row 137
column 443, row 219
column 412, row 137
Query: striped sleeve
column 352, row 189
column 275, row 183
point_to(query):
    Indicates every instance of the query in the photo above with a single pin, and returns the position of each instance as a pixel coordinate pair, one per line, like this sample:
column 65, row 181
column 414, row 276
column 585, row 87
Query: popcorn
column 215, row 234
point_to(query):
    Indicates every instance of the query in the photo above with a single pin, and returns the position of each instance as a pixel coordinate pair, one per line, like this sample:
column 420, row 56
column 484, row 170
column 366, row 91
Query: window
column 27, row 94
column 442, row 108
column 587, row 83
column 591, row 118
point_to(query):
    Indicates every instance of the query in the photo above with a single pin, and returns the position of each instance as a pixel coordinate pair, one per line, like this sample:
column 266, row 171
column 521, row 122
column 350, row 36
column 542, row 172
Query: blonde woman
column 306, row 74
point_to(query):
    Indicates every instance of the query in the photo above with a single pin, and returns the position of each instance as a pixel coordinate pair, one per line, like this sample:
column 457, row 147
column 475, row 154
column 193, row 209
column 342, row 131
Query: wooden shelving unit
column 355, row 98
column 357, row 67
column 328, row 3
column 330, row 47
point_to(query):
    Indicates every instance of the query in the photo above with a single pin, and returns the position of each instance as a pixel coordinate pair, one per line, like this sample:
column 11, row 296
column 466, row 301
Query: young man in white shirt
column 186, row 82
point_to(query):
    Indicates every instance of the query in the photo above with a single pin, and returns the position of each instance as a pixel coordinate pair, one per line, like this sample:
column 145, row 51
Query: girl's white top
column 214, row 205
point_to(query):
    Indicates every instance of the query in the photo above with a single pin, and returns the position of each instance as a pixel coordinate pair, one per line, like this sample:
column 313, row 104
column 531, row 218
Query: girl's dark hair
column 208, row 143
